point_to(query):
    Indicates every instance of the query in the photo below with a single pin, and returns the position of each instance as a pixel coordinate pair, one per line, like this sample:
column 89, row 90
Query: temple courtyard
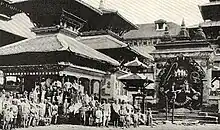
column 158, row 127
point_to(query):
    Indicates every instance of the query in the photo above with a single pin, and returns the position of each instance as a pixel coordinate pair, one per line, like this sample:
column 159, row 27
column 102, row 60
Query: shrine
column 183, row 72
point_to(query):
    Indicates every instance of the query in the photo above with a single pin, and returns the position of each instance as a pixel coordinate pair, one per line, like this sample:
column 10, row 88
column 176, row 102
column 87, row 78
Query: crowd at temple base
column 65, row 104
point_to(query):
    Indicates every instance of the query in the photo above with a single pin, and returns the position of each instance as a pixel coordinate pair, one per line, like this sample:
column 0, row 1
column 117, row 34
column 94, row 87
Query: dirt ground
column 158, row 127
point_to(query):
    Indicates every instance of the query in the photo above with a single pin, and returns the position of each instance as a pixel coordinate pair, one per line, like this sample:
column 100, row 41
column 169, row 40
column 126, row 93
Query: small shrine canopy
column 56, row 42
column 135, row 63
column 137, row 66
column 135, row 81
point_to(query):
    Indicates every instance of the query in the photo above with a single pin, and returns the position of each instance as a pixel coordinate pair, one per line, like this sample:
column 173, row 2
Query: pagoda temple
column 53, row 52
column 67, row 21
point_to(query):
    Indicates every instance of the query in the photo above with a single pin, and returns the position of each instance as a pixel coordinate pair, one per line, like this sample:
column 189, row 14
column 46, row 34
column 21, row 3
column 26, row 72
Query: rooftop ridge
column 101, row 32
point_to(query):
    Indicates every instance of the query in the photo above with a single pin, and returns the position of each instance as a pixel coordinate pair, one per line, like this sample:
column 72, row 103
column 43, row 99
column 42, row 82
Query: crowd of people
column 48, row 102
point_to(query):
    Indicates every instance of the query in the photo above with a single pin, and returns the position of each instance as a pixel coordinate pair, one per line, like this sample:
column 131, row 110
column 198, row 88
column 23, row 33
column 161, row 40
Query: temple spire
column 183, row 34
column 183, row 25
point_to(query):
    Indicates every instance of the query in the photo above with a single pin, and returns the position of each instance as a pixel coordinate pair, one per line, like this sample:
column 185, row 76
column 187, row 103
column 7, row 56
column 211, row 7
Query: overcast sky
column 147, row 11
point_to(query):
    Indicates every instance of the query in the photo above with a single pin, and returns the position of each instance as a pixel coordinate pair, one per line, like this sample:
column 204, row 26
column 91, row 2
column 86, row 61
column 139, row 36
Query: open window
column 160, row 25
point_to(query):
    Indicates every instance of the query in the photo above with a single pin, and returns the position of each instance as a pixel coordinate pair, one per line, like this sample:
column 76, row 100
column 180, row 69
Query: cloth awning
column 56, row 43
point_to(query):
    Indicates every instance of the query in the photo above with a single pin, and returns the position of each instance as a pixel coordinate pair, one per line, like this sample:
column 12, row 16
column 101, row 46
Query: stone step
column 201, row 119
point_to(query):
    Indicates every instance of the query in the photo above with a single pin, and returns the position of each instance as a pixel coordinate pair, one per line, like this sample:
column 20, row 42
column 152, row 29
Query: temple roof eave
column 52, row 69
column 56, row 43
column 169, row 51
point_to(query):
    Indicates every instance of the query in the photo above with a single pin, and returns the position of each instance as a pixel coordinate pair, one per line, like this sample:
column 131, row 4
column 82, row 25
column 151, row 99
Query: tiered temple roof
column 115, row 48
column 53, row 48
column 210, row 11
column 43, row 16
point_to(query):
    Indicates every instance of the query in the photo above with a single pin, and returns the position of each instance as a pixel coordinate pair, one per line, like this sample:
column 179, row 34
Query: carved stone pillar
column 207, row 83
column 90, row 87
column 22, row 84
column 219, row 105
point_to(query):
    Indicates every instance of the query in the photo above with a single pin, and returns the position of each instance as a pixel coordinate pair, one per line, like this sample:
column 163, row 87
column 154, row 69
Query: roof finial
column 183, row 34
column 166, row 36
column 199, row 35
column 183, row 25
column 101, row 4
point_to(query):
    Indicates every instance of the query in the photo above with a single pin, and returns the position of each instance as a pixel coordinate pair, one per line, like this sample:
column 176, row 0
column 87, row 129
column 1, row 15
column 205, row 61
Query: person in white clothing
column 25, row 110
column 106, row 113
column 86, row 98
column 98, row 115
column 14, row 108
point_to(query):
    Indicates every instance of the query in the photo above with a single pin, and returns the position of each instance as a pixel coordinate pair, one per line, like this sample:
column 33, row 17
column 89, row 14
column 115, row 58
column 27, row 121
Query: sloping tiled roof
column 55, row 42
column 206, row 24
column 79, row 1
column 19, row 25
column 144, row 51
column 149, row 31
column 132, row 76
column 115, row 12
column 102, row 42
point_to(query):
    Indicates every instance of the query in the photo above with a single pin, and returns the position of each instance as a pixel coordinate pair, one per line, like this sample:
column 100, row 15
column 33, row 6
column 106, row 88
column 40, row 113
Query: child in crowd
column 54, row 108
column 136, row 119
column 6, row 117
column 14, row 108
column 98, row 115
column 83, row 114
column 149, row 118
column 32, row 115
column 128, row 119
column 122, row 113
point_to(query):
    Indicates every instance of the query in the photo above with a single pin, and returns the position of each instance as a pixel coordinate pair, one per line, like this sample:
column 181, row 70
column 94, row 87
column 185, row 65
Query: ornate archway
column 181, row 78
